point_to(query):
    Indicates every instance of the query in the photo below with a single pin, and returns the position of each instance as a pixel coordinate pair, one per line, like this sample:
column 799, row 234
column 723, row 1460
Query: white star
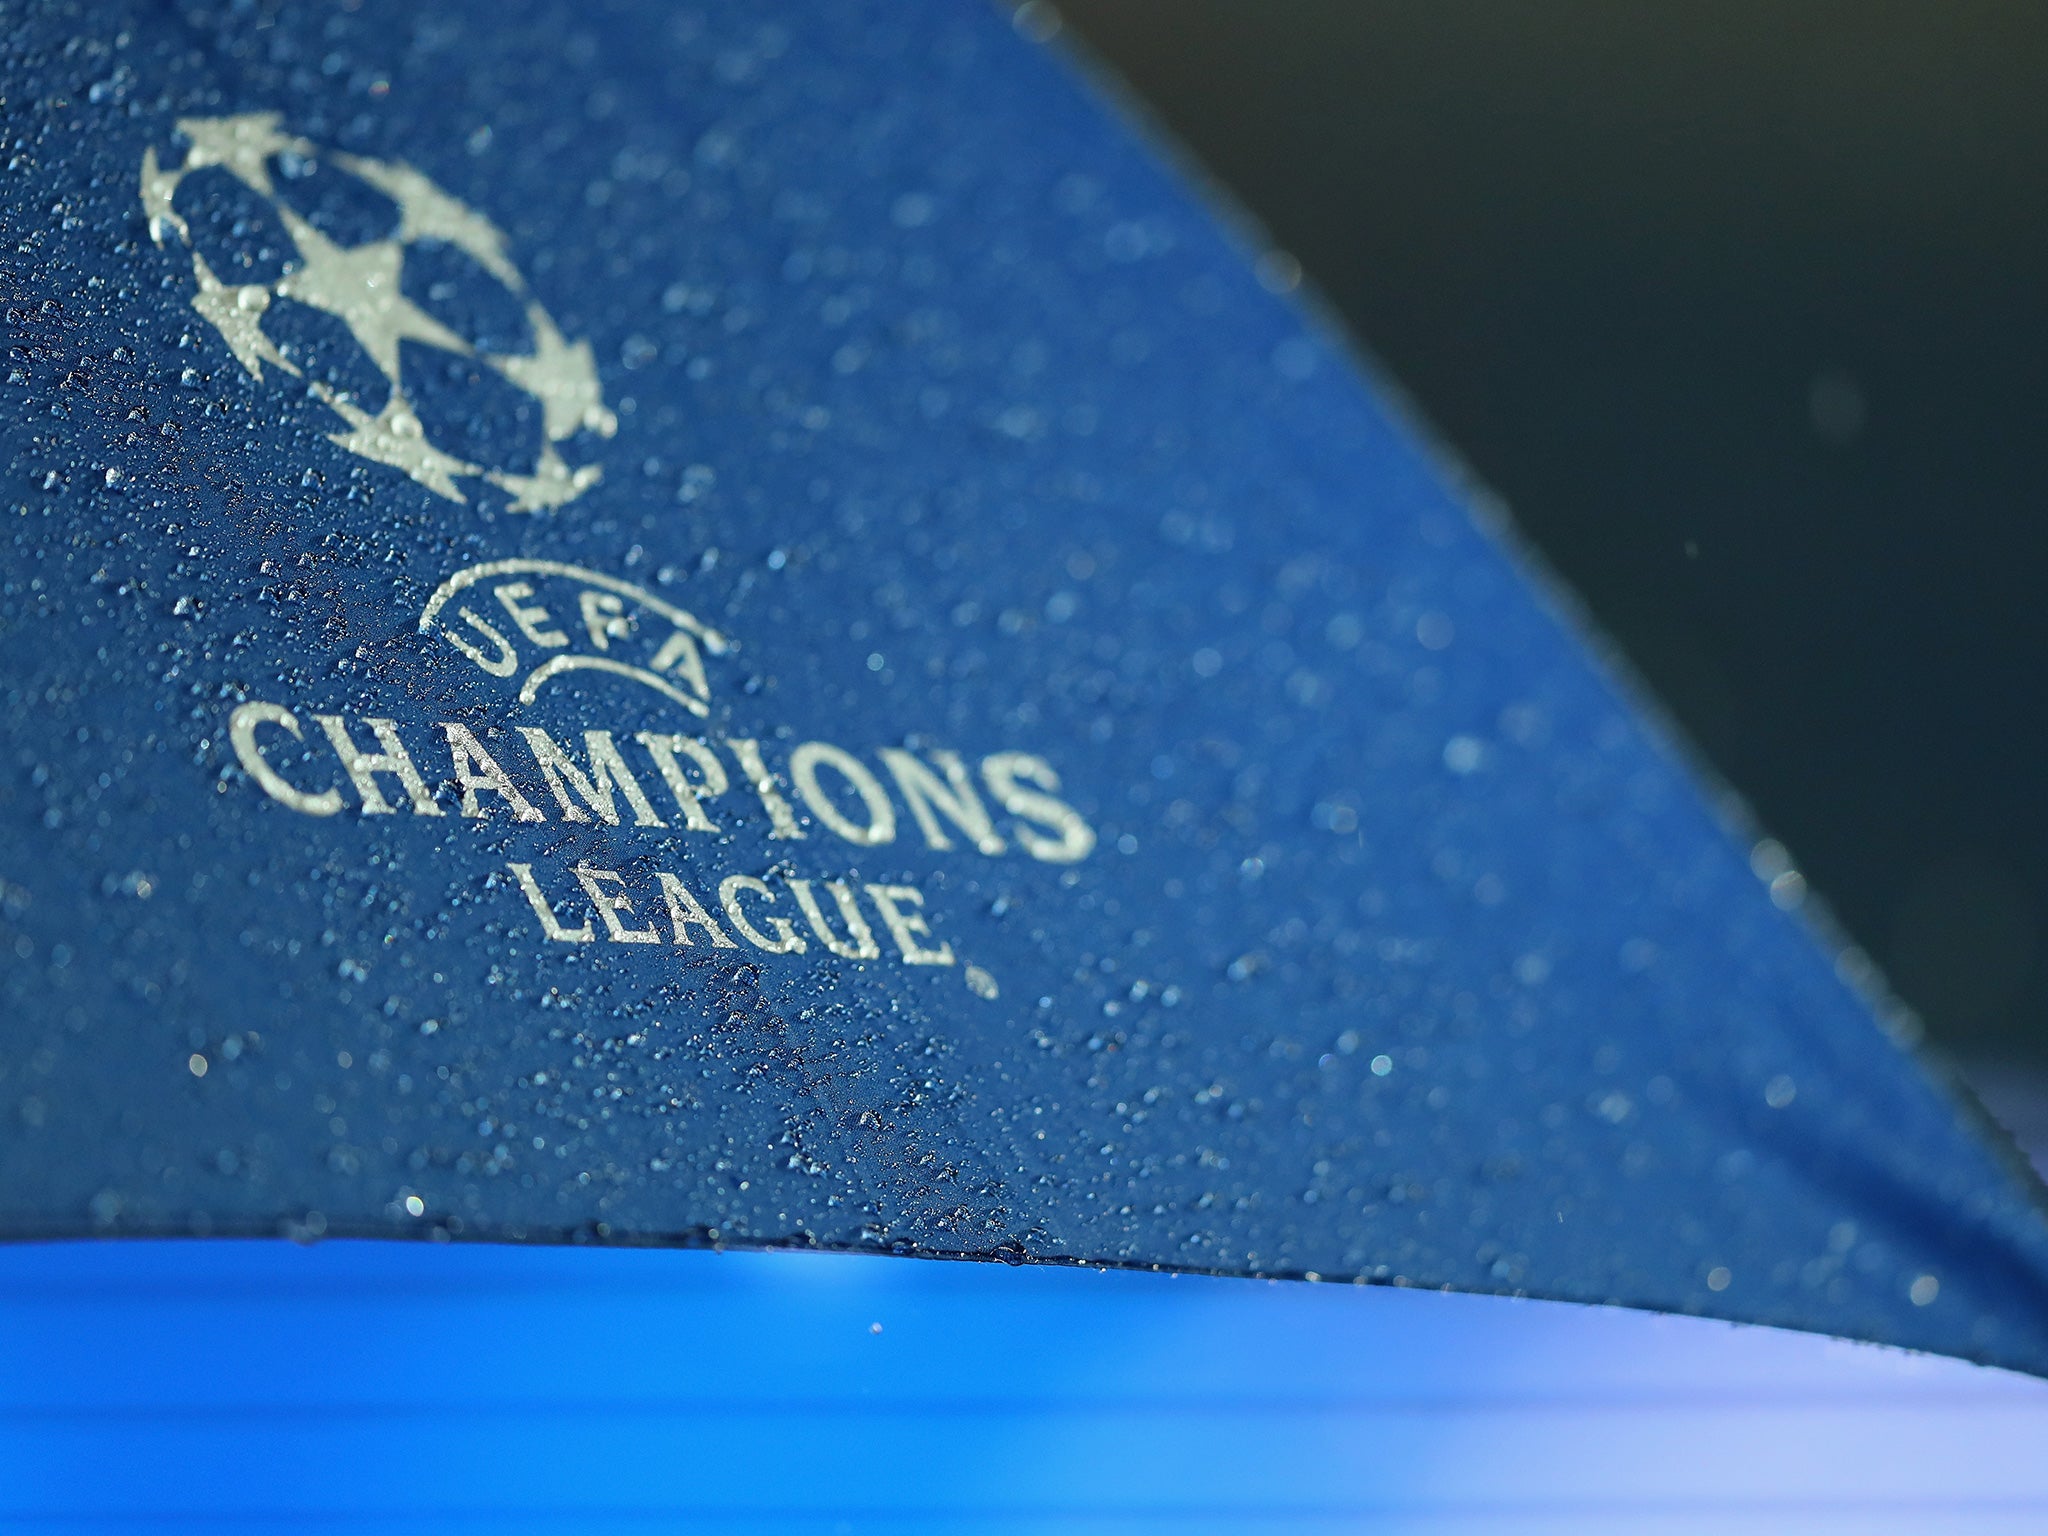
column 243, row 144
column 551, row 485
column 159, row 186
column 563, row 377
column 359, row 286
column 237, row 313
column 428, row 213
column 394, row 437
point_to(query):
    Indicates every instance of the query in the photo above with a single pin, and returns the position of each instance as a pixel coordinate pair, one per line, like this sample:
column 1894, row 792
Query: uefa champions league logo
column 362, row 284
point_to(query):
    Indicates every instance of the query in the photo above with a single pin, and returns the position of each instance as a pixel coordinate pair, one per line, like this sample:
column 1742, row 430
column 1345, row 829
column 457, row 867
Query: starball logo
column 538, row 637
column 370, row 246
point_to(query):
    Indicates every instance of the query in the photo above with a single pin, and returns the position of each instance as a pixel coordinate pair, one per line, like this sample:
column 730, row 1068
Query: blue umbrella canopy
column 752, row 629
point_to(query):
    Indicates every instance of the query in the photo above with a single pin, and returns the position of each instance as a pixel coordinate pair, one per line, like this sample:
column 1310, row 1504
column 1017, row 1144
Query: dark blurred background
column 1743, row 308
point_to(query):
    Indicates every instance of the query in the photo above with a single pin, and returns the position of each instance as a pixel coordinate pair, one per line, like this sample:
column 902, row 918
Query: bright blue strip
column 258, row 1386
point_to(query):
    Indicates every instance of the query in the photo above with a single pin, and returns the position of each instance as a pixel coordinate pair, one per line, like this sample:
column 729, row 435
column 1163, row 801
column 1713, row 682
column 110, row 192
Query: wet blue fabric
column 1210, row 844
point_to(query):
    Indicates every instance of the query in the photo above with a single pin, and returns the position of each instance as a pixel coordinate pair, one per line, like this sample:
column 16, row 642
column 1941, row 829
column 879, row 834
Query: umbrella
column 755, row 631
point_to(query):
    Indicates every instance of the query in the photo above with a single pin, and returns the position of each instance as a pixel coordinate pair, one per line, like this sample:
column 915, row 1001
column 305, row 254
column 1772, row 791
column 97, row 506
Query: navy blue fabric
column 1405, row 950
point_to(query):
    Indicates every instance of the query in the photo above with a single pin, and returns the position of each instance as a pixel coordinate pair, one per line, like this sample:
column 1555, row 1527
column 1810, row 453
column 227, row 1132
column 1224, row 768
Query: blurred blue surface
column 416, row 1387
